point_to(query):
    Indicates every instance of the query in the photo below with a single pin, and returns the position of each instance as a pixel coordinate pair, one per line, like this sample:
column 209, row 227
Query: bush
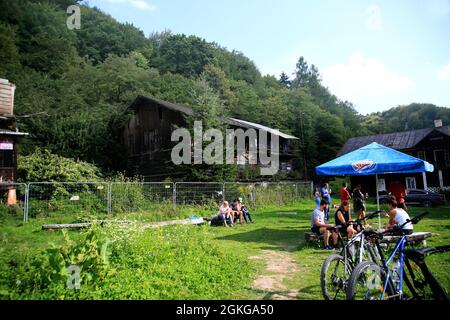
column 42, row 165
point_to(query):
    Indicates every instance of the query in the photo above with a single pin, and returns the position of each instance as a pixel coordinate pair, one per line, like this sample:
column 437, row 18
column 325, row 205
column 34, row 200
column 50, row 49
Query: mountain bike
column 337, row 268
column 385, row 280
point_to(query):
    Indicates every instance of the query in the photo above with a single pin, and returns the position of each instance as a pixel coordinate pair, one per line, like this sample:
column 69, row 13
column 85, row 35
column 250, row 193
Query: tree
column 9, row 55
column 284, row 80
column 44, row 41
column 208, row 109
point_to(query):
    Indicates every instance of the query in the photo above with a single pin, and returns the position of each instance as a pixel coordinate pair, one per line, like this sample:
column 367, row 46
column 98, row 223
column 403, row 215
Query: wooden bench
column 312, row 238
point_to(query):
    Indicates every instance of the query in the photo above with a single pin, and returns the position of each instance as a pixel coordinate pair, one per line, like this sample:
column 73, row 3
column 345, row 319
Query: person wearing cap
column 245, row 212
column 236, row 207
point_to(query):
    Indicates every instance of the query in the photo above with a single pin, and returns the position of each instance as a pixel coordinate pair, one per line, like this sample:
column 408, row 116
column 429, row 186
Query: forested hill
column 410, row 117
column 83, row 80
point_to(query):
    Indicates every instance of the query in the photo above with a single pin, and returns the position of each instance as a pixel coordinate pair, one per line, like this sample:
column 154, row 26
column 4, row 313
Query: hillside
column 83, row 81
column 408, row 117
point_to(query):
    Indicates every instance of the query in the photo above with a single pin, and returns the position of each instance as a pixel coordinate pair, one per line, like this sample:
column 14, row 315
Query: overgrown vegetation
column 83, row 81
column 124, row 261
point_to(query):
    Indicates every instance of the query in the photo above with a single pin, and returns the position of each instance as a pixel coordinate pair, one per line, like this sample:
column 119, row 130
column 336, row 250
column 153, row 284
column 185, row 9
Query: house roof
column 12, row 133
column 169, row 105
column 396, row 140
column 252, row 125
column 230, row 121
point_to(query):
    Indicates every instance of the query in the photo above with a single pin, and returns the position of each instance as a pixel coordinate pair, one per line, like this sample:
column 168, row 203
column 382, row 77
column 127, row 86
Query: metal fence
column 139, row 196
column 60, row 198
column 54, row 199
column 13, row 201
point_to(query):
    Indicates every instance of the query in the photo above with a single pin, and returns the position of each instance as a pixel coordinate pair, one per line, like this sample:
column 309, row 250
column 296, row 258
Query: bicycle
column 379, row 282
column 335, row 283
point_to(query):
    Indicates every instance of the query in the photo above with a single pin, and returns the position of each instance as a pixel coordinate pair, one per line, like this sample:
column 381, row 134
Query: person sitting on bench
column 318, row 225
column 343, row 218
column 223, row 216
column 245, row 212
column 397, row 218
column 236, row 208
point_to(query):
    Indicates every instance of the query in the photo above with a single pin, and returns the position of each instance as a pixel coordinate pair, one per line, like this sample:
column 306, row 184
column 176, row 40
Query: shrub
column 42, row 165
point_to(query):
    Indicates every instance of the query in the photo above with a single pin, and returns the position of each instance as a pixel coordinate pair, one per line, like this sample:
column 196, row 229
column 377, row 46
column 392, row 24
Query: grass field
column 265, row 260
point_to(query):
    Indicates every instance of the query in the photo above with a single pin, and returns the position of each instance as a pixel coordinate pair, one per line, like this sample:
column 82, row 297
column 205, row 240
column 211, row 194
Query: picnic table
column 416, row 237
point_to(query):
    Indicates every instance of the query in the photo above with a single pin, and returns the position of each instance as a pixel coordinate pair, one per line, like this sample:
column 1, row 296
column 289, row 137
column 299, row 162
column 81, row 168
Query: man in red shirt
column 345, row 195
column 399, row 192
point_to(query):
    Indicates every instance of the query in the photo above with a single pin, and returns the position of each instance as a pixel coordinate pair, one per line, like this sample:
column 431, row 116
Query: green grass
column 184, row 262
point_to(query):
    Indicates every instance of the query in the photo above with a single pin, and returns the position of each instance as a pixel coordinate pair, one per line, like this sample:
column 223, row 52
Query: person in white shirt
column 320, row 226
column 397, row 218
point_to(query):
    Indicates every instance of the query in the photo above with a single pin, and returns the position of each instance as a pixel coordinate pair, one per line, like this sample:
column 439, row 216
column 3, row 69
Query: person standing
column 399, row 192
column 317, row 197
column 359, row 202
column 345, row 195
column 325, row 193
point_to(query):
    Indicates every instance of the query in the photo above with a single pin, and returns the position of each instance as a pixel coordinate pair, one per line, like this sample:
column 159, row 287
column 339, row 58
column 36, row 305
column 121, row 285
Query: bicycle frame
column 399, row 289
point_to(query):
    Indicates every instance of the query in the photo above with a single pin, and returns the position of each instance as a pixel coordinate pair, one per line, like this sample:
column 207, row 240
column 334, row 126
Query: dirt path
column 280, row 266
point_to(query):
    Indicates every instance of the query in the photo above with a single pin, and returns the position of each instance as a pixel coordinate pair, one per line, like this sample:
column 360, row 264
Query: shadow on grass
column 281, row 239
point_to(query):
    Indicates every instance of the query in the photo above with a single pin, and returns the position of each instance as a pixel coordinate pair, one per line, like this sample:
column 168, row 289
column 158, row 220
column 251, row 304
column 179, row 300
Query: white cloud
column 361, row 79
column 374, row 20
column 139, row 4
column 444, row 72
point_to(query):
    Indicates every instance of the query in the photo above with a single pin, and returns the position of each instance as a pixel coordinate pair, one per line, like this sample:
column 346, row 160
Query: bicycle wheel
column 417, row 286
column 366, row 282
column 333, row 277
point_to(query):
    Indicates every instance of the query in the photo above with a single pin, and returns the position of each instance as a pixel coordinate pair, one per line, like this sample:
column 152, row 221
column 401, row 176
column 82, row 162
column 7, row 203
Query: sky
column 375, row 54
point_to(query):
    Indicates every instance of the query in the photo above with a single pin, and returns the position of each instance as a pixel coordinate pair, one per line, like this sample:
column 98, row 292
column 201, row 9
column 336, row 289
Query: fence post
column 223, row 191
column 109, row 199
column 254, row 195
column 174, row 196
column 27, row 195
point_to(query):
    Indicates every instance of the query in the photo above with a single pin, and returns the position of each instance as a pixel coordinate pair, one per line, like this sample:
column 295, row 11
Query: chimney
column 437, row 123
column 6, row 97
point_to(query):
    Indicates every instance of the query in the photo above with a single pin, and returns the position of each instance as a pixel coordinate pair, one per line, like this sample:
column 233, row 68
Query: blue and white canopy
column 373, row 159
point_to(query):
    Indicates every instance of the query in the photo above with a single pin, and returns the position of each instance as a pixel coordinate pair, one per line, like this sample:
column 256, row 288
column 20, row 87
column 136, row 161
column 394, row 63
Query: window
column 160, row 113
column 381, row 184
column 422, row 155
column 447, row 157
column 410, row 183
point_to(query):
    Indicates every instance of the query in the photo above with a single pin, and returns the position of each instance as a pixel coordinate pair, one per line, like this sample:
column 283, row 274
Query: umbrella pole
column 378, row 202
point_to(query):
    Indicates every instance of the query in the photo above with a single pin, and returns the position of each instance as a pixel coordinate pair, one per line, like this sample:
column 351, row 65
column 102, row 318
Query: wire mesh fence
column 63, row 198
column 246, row 191
column 141, row 197
column 13, row 201
column 152, row 199
column 205, row 194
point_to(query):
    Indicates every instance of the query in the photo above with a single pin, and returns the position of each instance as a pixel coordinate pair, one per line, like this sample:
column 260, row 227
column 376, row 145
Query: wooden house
column 147, row 138
column 430, row 144
column 9, row 134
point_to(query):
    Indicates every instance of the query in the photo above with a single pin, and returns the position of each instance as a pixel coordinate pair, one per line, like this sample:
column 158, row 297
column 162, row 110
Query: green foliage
column 127, row 262
column 9, row 54
column 408, row 117
column 82, row 82
column 44, row 41
column 45, row 166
